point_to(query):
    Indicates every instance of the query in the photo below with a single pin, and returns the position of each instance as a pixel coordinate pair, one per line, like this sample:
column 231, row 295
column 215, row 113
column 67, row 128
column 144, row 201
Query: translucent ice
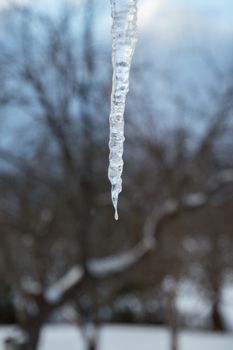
column 124, row 37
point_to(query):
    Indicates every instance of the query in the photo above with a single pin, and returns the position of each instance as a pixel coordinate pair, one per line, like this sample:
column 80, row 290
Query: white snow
column 129, row 337
column 124, row 37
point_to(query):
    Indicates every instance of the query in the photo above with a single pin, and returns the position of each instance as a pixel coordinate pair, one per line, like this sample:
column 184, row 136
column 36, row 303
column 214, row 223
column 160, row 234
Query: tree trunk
column 30, row 326
column 173, row 338
column 92, row 345
column 217, row 320
column 172, row 317
column 30, row 343
column 90, row 336
column 33, row 340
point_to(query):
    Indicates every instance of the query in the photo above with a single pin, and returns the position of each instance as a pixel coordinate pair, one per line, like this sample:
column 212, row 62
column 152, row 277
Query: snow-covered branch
column 57, row 292
column 104, row 267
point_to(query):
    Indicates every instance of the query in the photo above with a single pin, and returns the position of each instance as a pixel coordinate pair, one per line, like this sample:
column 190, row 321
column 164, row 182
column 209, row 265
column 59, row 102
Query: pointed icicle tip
column 115, row 202
column 116, row 214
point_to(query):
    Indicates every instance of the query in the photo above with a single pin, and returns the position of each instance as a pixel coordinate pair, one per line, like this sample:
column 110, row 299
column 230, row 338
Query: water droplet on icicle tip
column 115, row 193
column 124, row 37
column 116, row 214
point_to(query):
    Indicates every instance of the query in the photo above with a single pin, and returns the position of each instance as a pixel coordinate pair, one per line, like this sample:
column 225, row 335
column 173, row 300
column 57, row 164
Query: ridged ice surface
column 124, row 37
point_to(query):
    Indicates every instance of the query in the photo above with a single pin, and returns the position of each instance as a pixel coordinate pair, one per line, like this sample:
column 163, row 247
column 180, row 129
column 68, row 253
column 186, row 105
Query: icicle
column 124, row 37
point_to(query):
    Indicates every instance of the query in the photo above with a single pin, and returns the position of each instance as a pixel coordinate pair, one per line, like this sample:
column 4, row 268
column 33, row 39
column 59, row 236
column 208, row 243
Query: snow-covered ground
column 130, row 338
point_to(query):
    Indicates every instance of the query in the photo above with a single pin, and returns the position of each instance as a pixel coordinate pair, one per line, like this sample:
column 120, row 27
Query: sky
column 168, row 17
column 217, row 12
column 217, row 15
